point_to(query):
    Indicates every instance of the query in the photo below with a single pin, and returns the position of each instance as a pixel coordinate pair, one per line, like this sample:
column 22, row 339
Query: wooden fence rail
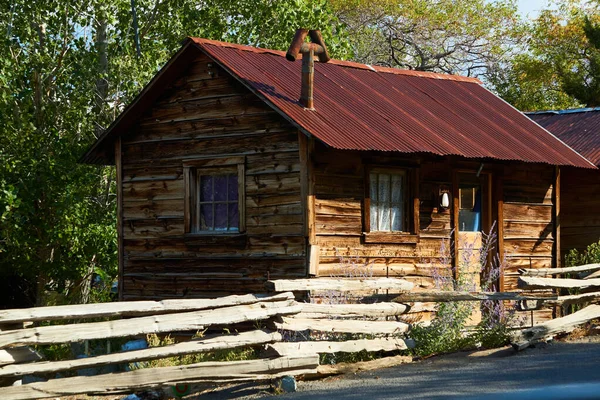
column 19, row 328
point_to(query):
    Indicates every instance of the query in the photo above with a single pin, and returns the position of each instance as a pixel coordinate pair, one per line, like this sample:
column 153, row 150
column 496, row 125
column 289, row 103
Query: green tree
column 463, row 37
column 560, row 66
column 67, row 69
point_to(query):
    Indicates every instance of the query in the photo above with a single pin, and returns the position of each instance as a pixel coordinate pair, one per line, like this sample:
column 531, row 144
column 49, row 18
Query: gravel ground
column 461, row 375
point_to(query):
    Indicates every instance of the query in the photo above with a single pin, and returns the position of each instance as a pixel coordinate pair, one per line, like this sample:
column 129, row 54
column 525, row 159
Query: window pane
column 384, row 216
column 220, row 217
column 232, row 188
column 384, row 188
column 374, row 226
column 234, row 218
column 397, row 188
column 206, row 217
column 373, row 189
column 220, row 188
column 397, row 218
column 206, row 192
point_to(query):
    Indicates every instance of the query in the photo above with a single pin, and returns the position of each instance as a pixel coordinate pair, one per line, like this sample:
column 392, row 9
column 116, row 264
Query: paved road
column 462, row 376
column 476, row 375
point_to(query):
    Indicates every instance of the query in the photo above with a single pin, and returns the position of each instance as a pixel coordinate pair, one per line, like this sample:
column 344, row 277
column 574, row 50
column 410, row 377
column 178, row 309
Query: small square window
column 214, row 199
column 388, row 201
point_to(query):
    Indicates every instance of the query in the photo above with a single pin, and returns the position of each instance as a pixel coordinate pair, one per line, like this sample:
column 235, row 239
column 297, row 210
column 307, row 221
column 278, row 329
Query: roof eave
column 100, row 152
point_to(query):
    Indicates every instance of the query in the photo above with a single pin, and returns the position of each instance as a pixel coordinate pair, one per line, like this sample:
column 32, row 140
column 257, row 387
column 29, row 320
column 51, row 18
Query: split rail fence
column 294, row 332
column 23, row 329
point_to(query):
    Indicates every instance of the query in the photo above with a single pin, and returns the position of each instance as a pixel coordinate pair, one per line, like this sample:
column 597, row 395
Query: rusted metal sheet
column 579, row 128
column 362, row 107
column 359, row 107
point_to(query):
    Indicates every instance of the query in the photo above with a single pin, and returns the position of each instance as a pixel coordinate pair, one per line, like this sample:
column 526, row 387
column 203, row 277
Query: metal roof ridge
column 564, row 111
column 343, row 63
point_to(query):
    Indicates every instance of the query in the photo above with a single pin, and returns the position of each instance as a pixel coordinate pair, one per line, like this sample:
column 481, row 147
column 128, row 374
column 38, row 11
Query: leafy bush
column 449, row 332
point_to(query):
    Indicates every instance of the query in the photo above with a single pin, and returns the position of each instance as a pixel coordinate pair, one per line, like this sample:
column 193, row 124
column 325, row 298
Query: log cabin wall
column 522, row 195
column 339, row 195
column 580, row 213
column 208, row 116
column 529, row 228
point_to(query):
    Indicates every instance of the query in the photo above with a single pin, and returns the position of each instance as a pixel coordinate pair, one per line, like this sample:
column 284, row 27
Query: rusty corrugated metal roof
column 362, row 107
column 579, row 128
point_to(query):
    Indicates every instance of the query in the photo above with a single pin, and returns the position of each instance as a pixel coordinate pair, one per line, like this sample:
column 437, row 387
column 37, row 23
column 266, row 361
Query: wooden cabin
column 580, row 209
column 226, row 179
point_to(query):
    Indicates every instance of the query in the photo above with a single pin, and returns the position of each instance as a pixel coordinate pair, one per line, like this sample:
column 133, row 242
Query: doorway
column 472, row 216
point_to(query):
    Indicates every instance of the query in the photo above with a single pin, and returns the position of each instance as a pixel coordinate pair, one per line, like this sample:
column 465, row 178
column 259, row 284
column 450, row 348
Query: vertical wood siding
column 580, row 208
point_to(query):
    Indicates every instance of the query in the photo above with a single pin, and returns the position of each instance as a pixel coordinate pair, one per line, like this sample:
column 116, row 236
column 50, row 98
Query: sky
column 531, row 8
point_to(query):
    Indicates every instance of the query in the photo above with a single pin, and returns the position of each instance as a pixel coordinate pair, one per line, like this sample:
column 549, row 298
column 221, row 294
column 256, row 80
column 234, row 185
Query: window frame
column 194, row 168
column 411, row 206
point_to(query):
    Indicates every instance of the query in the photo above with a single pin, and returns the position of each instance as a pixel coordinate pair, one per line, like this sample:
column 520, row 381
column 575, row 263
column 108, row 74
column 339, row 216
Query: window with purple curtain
column 216, row 203
column 388, row 204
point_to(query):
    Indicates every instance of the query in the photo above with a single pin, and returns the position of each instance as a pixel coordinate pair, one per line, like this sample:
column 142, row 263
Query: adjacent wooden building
column 226, row 180
column 580, row 216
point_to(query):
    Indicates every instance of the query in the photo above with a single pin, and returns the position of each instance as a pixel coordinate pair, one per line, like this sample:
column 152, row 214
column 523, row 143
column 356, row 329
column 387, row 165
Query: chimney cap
column 298, row 45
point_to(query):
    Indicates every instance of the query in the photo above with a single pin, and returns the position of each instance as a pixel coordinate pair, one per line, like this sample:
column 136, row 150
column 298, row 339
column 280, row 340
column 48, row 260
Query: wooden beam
column 310, row 310
column 571, row 299
column 131, row 308
column 455, row 227
column 556, row 197
column 341, row 284
column 527, row 282
column 342, row 325
column 500, row 224
column 220, row 342
column 164, row 376
column 348, row 346
column 189, row 321
column 558, row 271
column 18, row 355
column 120, row 247
column 524, row 338
column 445, row 296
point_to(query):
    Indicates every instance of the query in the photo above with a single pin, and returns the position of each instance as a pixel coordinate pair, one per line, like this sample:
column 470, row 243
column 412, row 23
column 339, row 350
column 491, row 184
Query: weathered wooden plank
column 529, row 247
column 220, row 342
column 524, row 338
column 445, row 296
column 18, row 355
column 574, row 299
column 312, row 310
column 195, row 320
column 131, row 308
column 527, row 212
column 527, row 282
column 286, row 285
column 344, row 326
column 531, row 230
column 348, row 346
column 558, row 271
column 154, row 377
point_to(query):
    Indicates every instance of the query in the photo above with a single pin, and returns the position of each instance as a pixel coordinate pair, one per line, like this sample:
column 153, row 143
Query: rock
column 288, row 384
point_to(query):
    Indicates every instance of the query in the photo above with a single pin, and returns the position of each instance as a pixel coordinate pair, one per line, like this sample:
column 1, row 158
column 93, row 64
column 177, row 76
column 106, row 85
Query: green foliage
column 465, row 37
column 445, row 334
column 560, row 65
column 238, row 354
column 67, row 69
column 590, row 255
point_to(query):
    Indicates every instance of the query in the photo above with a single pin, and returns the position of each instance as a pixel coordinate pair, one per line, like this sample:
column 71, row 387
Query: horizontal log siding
column 580, row 214
column 340, row 192
column 528, row 224
column 204, row 114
